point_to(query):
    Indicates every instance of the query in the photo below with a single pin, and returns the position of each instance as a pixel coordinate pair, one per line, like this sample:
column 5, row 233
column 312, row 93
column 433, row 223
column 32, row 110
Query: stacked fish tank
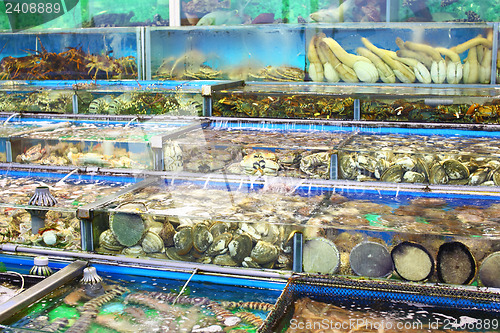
column 358, row 153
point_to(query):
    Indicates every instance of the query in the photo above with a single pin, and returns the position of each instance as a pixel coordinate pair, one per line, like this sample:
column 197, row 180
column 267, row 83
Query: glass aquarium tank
column 39, row 208
column 280, row 100
column 12, row 125
column 256, row 149
column 119, row 13
column 443, row 105
column 445, row 11
column 451, row 157
column 119, row 298
column 206, row 12
column 257, row 225
column 251, row 53
column 144, row 98
column 111, row 144
column 310, row 304
column 406, row 53
column 71, row 55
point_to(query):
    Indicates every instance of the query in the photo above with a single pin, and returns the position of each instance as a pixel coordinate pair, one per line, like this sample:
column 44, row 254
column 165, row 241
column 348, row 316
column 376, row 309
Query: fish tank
column 203, row 13
column 39, row 208
column 288, row 101
column 342, row 305
column 13, row 124
column 256, row 149
column 424, row 156
column 443, row 105
column 108, row 144
column 171, row 98
column 92, row 54
column 252, row 53
column 445, row 11
column 126, row 13
column 104, row 97
column 407, row 53
column 112, row 297
column 233, row 224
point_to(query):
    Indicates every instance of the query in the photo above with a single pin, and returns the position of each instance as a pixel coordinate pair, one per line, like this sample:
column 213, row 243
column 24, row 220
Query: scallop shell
column 108, row 241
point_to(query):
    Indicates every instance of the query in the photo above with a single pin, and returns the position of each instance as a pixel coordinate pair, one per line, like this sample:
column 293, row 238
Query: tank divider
column 29, row 296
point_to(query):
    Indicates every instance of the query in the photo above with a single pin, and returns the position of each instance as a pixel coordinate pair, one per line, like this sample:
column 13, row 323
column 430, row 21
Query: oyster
column 264, row 253
column 393, row 174
column 202, row 238
column 108, row 241
column 219, row 245
column 240, row 247
column 183, row 240
column 152, row 242
column 455, row 170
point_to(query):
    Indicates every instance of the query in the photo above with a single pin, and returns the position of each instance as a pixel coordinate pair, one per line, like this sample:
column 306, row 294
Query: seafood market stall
column 345, row 162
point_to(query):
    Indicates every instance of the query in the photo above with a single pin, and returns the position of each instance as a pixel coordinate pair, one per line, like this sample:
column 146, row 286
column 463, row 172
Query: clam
column 108, row 241
column 218, row 228
column 367, row 163
column 380, row 167
column 219, row 245
column 183, row 240
column 248, row 262
column 408, row 163
column 202, row 238
column 135, row 251
column 421, row 167
column 455, row 170
column 479, row 177
column 413, row 177
column 393, row 174
column 438, row 175
column 240, row 247
column 172, row 254
column 264, row 253
column 496, row 177
column 224, row 260
column 152, row 242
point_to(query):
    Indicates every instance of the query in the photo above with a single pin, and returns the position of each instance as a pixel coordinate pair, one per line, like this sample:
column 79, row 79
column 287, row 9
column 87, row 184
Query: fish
column 334, row 14
column 221, row 17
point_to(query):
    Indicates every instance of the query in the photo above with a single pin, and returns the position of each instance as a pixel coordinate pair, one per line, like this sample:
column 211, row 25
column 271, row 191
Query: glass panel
column 285, row 150
column 105, row 144
column 251, row 53
column 413, row 53
column 127, row 13
column 422, row 156
column 85, row 54
column 40, row 221
column 445, row 11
